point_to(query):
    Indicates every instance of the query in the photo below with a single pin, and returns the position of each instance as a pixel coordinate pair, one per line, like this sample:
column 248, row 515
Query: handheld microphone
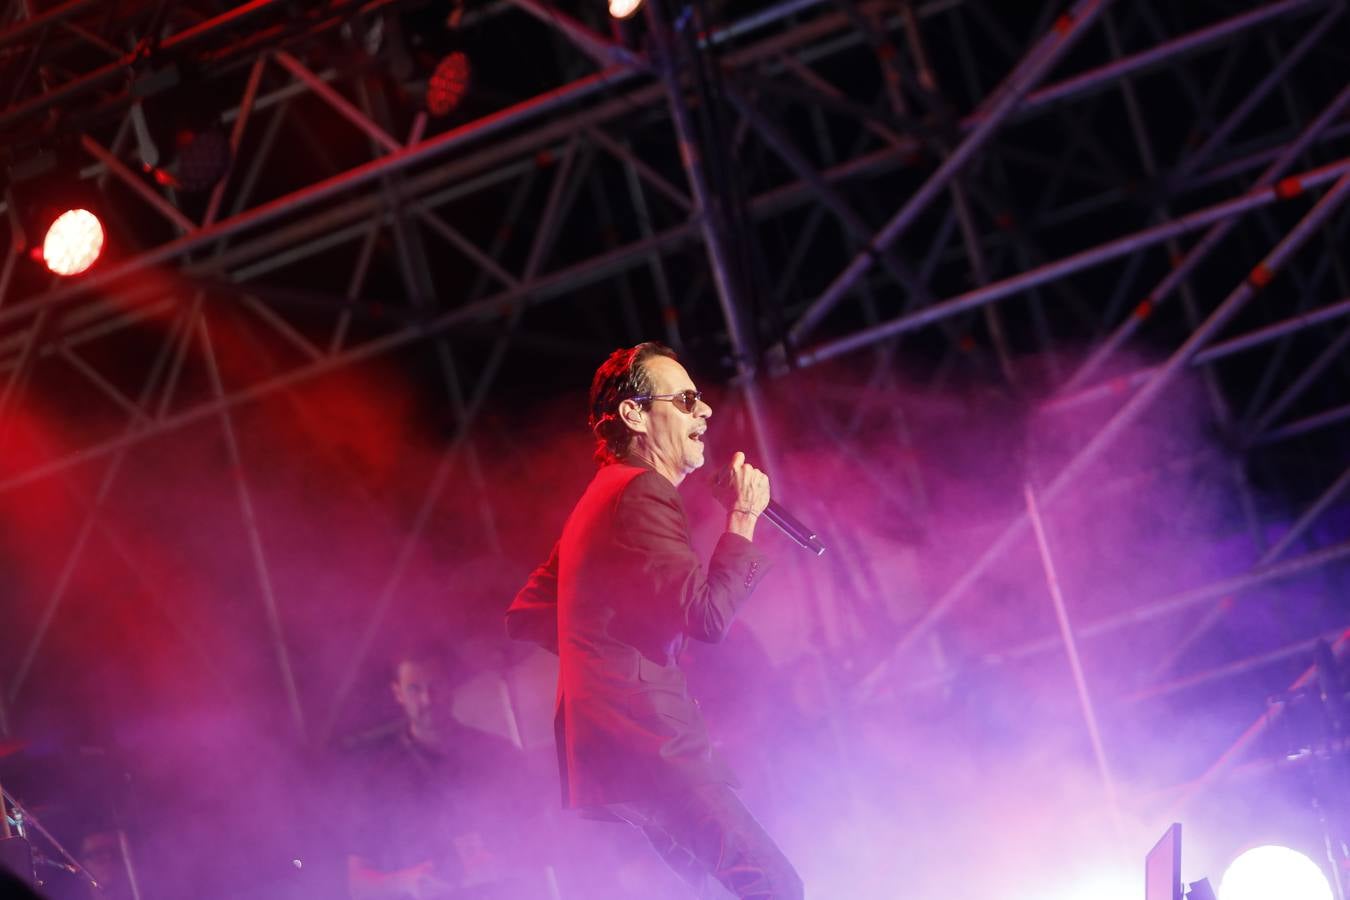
column 793, row 528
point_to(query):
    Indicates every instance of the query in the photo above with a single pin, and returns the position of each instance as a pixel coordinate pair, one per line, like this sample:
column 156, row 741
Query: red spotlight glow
column 73, row 243
column 449, row 83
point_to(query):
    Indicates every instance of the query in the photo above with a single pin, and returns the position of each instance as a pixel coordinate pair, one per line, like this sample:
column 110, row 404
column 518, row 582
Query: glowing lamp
column 73, row 242
column 622, row 9
column 1274, row 873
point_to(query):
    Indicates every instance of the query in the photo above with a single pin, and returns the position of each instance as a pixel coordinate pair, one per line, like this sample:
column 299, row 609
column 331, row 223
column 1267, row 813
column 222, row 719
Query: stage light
column 200, row 160
column 53, row 213
column 449, row 83
column 1274, row 873
column 623, row 9
column 73, row 242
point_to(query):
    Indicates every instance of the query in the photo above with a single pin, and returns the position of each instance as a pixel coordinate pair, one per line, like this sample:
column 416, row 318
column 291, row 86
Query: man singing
column 618, row 599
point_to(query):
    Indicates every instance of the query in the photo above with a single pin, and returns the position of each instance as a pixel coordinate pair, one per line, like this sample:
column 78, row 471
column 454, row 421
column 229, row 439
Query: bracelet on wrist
column 748, row 512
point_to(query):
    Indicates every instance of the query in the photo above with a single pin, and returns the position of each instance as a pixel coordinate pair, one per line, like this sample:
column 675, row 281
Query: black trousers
column 708, row 831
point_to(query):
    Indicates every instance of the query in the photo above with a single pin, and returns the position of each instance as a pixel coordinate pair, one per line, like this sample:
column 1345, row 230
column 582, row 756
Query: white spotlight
column 1274, row 873
column 622, row 9
column 73, row 242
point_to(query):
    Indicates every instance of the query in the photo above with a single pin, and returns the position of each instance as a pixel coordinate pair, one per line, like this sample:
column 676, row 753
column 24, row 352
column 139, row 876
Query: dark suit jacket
column 618, row 599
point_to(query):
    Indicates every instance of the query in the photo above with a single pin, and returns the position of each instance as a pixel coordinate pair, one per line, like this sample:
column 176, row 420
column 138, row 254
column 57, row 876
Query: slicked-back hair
column 432, row 650
column 620, row 377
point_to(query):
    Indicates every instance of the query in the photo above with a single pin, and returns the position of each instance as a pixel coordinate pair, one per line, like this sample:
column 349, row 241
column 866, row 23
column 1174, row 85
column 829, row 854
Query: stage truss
column 654, row 173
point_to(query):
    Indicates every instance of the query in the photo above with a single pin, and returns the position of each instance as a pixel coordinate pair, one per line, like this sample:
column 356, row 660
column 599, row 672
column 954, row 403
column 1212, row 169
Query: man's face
column 669, row 438
column 423, row 691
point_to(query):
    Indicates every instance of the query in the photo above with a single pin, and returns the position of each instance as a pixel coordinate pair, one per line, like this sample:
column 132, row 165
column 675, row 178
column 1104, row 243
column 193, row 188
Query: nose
column 703, row 410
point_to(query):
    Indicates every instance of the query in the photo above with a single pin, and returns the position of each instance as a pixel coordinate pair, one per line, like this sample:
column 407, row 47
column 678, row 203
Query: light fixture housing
column 54, row 216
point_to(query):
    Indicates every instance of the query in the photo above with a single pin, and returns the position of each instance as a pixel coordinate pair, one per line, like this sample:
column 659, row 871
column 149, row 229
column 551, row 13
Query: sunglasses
column 684, row 401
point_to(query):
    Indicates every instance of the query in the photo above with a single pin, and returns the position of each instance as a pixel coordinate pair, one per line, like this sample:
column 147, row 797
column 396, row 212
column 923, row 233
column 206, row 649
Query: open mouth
column 696, row 436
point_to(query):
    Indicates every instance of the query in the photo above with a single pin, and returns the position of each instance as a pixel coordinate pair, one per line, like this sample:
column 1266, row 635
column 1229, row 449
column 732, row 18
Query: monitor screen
column 1162, row 867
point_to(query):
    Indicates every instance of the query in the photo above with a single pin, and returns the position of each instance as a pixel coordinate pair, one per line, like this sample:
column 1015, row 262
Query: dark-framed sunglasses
column 685, row 401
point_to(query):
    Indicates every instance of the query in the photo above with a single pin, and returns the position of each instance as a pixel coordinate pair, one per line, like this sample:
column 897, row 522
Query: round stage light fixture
column 449, row 83
column 73, row 242
column 624, row 9
column 1274, row 873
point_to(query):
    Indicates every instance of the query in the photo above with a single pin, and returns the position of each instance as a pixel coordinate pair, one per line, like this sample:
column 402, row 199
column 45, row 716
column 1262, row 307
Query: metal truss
column 881, row 155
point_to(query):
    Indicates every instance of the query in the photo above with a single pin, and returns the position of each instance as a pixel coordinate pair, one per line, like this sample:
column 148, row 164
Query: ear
column 633, row 415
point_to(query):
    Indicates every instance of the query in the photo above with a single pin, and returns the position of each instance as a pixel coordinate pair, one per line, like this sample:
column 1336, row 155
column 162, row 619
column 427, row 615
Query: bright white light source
column 1274, row 873
column 622, row 9
column 73, row 242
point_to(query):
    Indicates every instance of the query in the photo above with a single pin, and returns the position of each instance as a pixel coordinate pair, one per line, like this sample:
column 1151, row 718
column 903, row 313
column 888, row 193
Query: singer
column 619, row 598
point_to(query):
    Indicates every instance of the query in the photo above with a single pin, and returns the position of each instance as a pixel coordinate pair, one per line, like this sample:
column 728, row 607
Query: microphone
column 793, row 528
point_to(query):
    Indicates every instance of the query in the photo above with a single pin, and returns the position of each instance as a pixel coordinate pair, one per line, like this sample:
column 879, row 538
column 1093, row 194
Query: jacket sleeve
column 533, row 615
column 652, row 525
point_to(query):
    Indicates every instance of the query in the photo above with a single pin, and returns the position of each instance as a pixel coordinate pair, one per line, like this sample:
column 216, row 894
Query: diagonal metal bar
column 1304, row 426
column 655, row 267
column 552, row 214
column 10, row 397
column 94, row 377
column 340, row 104
column 85, row 531
column 1070, row 641
column 190, row 332
column 12, row 254
column 997, row 108
column 456, row 239
column 138, row 186
column 245, row 112
column 257, row 552
column 647, row 173
column 600, row 49
column 1260, row 428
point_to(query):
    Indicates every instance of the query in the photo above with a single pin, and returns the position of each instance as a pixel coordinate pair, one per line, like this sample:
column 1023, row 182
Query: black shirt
column 453, row 806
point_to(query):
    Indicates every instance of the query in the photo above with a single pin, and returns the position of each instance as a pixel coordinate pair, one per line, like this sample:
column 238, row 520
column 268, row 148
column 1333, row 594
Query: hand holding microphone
column 744, row 489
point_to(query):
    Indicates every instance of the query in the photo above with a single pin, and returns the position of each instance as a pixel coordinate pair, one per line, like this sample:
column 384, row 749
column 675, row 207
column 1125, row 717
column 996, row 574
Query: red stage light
column 73, row 242
column 449, row 83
